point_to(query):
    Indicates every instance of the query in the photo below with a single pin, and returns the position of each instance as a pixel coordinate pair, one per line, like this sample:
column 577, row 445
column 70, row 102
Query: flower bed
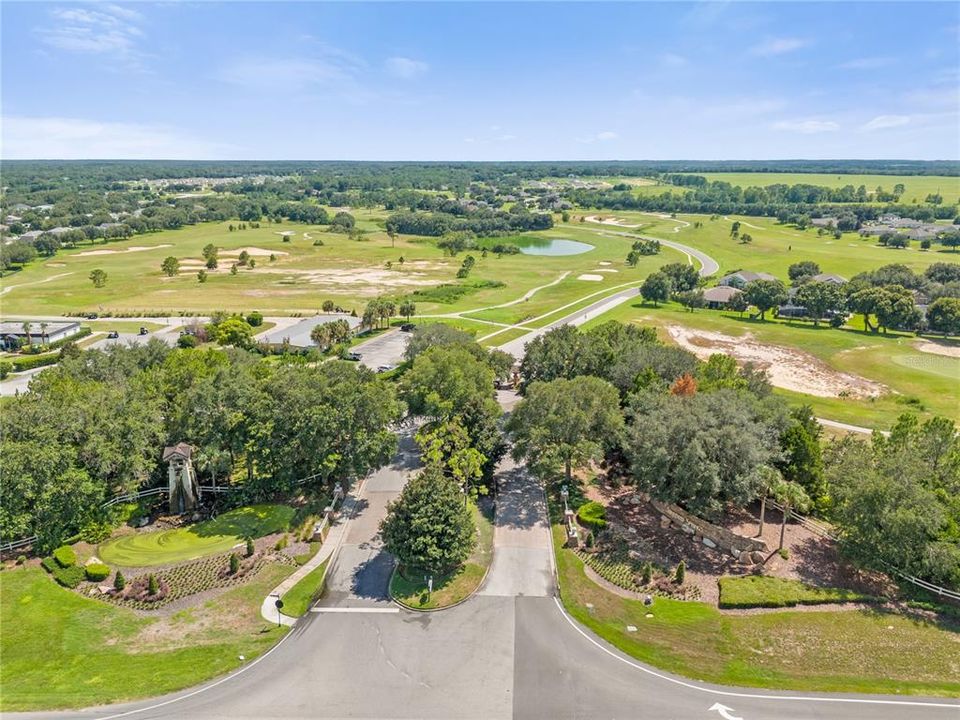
column 616, row 566
column 189, row 579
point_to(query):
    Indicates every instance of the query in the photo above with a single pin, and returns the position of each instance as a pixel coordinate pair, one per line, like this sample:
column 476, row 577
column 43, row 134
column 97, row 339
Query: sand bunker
column 254, row 251
column 590, row 277
column 607, row 270
column 937, row 348
column 285, row 233
column 610, row 221
column 788, row 368
column 604, row 262
column 134, row 248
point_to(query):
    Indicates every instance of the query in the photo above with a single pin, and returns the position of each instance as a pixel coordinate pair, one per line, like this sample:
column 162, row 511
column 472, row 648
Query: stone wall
column 710, row 535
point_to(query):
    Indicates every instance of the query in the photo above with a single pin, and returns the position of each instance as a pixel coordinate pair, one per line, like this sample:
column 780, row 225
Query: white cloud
column 778, row 46
column 405, row 68
column 807, row 127
column 882, row 122
column 866, row 63
column 284, row 74
column 106, row 30
column 79, row 139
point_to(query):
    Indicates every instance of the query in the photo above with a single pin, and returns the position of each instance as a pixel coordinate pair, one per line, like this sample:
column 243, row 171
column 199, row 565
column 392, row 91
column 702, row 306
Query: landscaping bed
column 410, row 590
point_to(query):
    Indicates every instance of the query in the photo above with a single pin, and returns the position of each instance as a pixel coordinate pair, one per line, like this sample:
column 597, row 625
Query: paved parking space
column 385, row 349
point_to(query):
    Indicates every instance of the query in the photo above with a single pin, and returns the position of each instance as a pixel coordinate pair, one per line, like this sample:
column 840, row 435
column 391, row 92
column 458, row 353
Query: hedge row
column 65, row 556
column 29, row 362
column 69, row 577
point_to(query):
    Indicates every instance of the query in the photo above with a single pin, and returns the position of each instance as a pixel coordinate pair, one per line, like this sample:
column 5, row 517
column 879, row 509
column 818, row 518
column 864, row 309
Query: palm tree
column 26, row 330
column 43, row 333
column 393, row 238
column 769, row 479
column 321, row 335
column 792, row 497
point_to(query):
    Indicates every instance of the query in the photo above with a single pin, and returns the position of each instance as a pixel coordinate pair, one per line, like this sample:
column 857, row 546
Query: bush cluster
column 30, row 362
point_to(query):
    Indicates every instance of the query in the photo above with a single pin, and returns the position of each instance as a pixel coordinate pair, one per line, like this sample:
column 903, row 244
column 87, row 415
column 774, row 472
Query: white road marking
column 752, row 696
column 725, row 712
column 353, row 610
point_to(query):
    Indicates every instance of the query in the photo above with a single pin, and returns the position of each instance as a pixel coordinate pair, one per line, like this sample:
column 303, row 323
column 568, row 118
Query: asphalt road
column 508, row 652
column 385, row 349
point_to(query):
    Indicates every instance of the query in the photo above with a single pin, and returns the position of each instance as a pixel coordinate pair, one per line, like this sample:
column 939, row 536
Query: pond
column 544, row 246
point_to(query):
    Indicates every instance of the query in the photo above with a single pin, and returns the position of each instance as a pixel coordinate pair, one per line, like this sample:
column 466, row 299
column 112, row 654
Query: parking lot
column 386, row 349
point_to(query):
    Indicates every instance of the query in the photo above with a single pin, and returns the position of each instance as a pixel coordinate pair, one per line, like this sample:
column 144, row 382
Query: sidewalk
column 334, row 538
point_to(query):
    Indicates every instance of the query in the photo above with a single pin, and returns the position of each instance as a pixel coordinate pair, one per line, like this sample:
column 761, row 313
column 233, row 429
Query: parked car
column 92, row 316
column 385, row 368
column 113, row 335
column 143, row 331
column 355, row 356
column 407, row 327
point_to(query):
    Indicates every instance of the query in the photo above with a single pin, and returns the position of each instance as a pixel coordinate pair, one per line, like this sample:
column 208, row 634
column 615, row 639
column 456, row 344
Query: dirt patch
column 132, row 249
column 788, row 368
column 938, row 347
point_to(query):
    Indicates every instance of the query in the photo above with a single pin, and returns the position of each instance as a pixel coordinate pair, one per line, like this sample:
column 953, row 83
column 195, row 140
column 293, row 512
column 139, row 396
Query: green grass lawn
column 449, row 589
column 920, row 382
column 218, row 535
column 301, row 596
column 61, row 650
column 753, row 591
column 845, row 651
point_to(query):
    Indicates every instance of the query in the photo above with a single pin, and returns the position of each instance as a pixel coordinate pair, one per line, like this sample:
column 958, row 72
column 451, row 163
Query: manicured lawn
column 449, row 589
column 770, row 592
column 61, row 650
column 206, row 538
column 849, row 651
column 301, row 596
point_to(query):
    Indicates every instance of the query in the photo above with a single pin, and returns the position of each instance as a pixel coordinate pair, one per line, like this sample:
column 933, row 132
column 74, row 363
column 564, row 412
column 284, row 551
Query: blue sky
column 495, row 81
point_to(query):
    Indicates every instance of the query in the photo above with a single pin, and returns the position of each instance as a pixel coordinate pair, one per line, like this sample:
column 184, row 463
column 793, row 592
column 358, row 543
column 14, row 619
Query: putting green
column 205, row 538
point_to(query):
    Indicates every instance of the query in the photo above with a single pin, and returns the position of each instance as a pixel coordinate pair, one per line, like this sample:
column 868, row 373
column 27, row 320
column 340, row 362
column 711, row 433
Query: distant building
column 740, row 278
column 829, row 278
column 719, row 297
column 12, row 334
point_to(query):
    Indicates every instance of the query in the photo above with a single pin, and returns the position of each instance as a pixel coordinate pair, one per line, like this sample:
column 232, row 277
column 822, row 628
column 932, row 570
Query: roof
column 829, row 277
column 182, row 449
column 722, row 293
column 15, row 327
column 748, row 276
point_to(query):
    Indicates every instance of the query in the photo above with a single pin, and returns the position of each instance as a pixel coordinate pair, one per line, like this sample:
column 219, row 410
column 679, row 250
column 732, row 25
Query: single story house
column 740, row 278
column 830, row 278
column 718, row 297
column 12, row 334
column 824, row 222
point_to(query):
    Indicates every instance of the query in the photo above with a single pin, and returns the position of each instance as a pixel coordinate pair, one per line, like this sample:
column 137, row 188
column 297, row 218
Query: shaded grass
column 858, row 651
column 205, row 538
column 61, row 650
column 301, row 596
column 754, row 591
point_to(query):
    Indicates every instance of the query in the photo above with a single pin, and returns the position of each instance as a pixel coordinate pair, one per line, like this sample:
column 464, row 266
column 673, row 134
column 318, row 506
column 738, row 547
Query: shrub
column 119, row 581
column 96, row 531
column 251, row 548
column 187, row 341
column 152, row 586
column 21, row 559
column 65, row 556
column 784, row 553
column 49, row 564
column 69, row 577
column 647, row 574
column 34, row 361
column 593, row 515
column 234, row 564
column 681, row 574
column 97, row 572
column 255, row 319
column 281, row 543
column 589, row 540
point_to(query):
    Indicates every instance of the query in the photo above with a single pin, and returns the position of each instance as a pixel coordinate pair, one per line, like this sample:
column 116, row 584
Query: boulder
column 757, row 557
column 688, row 529
column 664, row 523
column 709, row 543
